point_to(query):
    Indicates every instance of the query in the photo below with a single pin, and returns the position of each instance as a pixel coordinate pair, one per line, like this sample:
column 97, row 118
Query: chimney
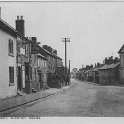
column 34, row 39
column 21, row 17
column 20, row 25
column 55, row 52
column 17, row 17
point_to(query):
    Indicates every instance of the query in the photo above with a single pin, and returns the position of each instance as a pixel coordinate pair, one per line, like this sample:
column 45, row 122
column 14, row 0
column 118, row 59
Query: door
column 19, row 78
column 40, row 80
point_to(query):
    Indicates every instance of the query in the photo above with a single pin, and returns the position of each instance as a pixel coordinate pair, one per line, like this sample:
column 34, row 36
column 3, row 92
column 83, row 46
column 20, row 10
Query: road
column 81, row 99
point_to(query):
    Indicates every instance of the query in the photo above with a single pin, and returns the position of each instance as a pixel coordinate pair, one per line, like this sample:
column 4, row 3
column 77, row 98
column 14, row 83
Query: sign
column 22, row 51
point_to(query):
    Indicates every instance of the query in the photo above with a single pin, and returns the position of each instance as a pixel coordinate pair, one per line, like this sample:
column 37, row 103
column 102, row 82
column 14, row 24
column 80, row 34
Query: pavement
column 82, row 99
column 13, row 102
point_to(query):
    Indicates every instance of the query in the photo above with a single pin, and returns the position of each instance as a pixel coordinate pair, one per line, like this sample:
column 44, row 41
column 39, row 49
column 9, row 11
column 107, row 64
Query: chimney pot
column 21, row 17
column 20, row 25
column 34, row 39
column 17, row 17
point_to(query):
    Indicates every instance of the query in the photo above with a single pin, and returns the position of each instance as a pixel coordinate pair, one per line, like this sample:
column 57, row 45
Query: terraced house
column 54, row 64
column 8, row 78
column 23, row 57
column 25, row 65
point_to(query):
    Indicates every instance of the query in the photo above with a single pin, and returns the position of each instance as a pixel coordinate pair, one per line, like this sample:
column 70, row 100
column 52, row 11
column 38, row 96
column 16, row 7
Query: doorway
column 19, row 78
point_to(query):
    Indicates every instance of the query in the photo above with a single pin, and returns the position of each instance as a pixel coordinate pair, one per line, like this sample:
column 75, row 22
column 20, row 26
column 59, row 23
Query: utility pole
column 65, row 40
column 69, row 72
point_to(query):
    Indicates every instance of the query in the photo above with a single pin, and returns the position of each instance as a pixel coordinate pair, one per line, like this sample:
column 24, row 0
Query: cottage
column 109, row 74
column 8, row 80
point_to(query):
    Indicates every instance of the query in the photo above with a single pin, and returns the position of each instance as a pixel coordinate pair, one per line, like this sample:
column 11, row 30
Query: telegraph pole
column 65, row 40
column 69, row 72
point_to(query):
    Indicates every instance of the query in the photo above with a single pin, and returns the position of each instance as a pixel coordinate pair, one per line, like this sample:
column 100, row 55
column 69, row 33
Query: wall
column 59, row 63
column 42, row 65
column 122, row 68
column 109, row 76
column 5, row 62
column 35, row 80
column 51, row 64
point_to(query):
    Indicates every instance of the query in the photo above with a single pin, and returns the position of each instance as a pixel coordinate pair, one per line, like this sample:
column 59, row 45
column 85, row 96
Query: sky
column 96, row 29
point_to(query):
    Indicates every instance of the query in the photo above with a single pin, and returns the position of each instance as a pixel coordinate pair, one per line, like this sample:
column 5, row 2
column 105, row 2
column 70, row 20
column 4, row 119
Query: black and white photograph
column 61, row 58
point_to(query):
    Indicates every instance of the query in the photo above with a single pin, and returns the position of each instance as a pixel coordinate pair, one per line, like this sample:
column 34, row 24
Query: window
column 35, row 74
column 26, row 50
column 10, row 46
column 44, row 64
column 11, row 76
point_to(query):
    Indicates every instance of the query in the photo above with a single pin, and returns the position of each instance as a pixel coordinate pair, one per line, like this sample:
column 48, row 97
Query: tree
column 98, row 64
column 116, row 59
column 105, row 61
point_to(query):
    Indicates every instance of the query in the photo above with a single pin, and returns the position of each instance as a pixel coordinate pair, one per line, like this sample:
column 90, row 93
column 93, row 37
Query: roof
column 51, row 54
column 7, row 28
column 121, row 49
column 111, row 66
column 10, row 30
column 41, row 56
column 46, row 51
column 97, row 68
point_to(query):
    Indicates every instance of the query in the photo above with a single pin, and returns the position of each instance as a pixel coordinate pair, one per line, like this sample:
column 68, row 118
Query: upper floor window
column 11, row 47
column 26, row 50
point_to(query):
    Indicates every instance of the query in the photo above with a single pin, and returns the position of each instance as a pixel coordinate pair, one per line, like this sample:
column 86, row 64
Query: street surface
column 81, row 99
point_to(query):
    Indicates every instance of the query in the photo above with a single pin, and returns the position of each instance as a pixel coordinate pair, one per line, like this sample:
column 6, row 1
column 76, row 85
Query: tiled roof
column 121, row 49
column 41, row 56
column 109, row 66
column 6, row 27
column 96, row 69
column 51, row 54
column 9, row 29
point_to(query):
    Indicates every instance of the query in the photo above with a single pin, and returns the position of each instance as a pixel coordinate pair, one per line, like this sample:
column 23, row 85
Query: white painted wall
column 5, row 62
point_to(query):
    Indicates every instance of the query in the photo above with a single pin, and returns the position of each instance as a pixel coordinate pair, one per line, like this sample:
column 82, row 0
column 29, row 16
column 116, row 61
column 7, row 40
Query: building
column 51, row 57
column 8, row 77
column 89, row 75
column 74, row 72
column 121, row 53
column 26, row 65
column 23, row 58
column 54, row 62
column 59, row 62
column 109, row 74
column 96, row 75
column 28, row 61
column 42, row 71
column 41, row 65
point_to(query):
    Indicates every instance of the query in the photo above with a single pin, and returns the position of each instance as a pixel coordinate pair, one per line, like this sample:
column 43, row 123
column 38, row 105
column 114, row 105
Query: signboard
column 22, row 51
